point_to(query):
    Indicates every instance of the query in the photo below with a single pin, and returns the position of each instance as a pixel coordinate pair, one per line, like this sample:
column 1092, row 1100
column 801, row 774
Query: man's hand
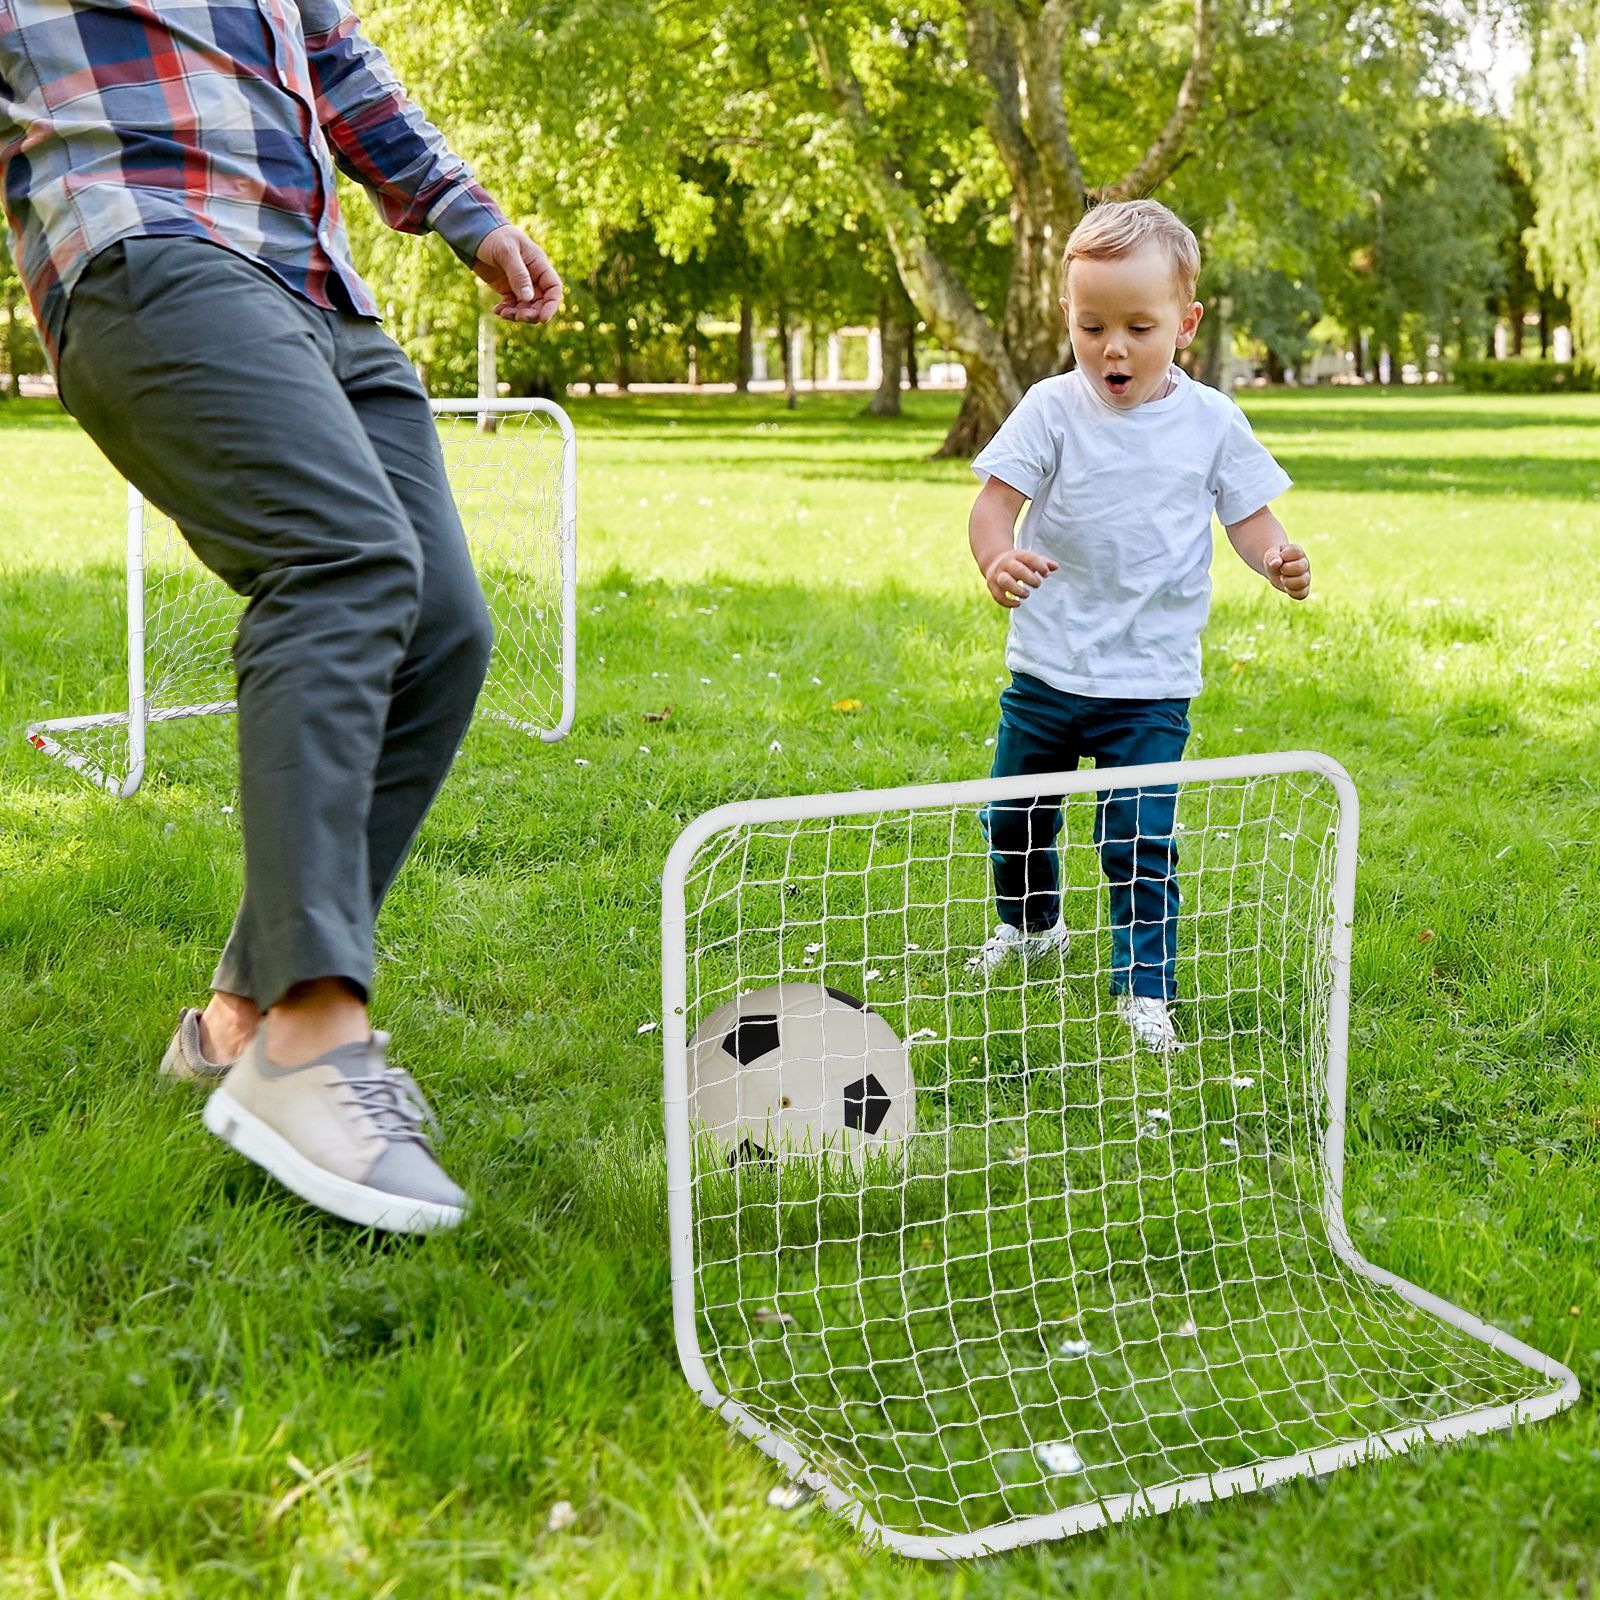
column 1015, row 574
column 520, row 273
column 1289, row 569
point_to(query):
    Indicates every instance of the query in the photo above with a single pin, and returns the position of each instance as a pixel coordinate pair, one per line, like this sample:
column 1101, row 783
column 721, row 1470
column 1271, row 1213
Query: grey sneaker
column 344, row 1132
column 185, row 1061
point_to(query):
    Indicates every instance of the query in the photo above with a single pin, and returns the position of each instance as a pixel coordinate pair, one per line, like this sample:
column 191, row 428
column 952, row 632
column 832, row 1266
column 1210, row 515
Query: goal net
column 512, row 467
column 1087, row 1280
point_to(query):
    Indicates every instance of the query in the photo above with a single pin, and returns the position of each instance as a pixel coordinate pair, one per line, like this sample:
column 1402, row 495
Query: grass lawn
column 206, row 1389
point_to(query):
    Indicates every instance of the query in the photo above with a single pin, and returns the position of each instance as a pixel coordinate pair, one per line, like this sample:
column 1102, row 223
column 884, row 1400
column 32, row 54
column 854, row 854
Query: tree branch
column 1158, row 161
column 993, row 53
column 1042, row 55
column 935, row 289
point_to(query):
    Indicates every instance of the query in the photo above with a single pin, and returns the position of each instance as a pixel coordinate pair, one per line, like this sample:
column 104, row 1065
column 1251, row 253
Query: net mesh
column 1092, row 1270
column 509, row 486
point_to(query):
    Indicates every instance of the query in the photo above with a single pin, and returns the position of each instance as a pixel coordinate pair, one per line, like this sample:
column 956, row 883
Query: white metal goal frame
column 744, row 1294
column 110, row 749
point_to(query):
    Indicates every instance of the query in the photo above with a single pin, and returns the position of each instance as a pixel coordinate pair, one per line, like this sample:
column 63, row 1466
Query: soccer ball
column 797, row 1069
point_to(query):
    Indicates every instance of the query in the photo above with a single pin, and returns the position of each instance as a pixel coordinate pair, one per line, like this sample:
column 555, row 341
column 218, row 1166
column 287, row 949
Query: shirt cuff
column 465, row 218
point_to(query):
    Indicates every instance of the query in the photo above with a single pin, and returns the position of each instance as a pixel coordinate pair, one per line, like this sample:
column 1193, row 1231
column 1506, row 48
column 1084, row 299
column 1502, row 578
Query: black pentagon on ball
column 748, row 1153
column 751, row 1038
column 866, row 1104
column 848, row 1000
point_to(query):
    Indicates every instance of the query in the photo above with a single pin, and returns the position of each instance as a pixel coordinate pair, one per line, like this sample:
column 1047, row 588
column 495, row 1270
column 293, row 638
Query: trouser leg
column 1138, row 853
column 1036, row 735
column 215, row 391
column 438, row 679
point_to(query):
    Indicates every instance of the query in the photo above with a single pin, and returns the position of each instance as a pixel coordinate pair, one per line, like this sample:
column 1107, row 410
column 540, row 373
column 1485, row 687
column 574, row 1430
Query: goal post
column 512, row 466
column 1093, row 1281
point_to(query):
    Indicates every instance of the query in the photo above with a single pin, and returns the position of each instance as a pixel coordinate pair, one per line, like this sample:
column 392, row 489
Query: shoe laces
column 391, row 1099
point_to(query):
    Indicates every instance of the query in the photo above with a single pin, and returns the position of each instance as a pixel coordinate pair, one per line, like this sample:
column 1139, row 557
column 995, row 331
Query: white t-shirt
column 1123, row 500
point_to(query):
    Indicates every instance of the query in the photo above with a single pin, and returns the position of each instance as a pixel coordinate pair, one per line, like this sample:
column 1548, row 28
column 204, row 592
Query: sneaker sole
column 339, row 1197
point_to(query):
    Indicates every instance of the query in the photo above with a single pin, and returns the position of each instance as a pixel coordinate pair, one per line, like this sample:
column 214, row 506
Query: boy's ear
column 1066, row 310
column 1189, row 323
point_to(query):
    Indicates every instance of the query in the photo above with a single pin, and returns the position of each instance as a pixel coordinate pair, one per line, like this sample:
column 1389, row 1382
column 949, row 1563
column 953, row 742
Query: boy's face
column 1125, row 321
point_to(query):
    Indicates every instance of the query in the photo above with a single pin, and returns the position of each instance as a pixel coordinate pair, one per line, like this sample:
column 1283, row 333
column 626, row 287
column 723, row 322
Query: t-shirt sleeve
column 1021, row 453
column 1246, row 476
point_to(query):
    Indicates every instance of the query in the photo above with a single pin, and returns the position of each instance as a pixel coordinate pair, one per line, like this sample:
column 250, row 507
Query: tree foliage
column 705, row 158
column 1560, row 153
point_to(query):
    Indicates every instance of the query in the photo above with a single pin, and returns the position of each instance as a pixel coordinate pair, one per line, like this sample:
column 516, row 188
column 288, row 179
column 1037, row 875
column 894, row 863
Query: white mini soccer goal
column 1094, row 1282
column 513, row 471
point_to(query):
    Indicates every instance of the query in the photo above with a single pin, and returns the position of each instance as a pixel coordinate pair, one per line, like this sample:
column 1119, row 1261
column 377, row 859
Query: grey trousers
column 294, row 449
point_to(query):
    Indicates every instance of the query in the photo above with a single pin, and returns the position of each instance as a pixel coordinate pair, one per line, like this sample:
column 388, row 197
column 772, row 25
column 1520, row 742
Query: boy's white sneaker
column 1006, row 942
column 1149, row 1021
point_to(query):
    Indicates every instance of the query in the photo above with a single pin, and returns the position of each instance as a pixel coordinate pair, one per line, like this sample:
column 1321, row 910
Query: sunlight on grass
column 175, row 1335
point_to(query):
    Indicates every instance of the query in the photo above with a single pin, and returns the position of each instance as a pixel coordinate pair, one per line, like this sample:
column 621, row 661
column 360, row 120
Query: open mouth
column 1119, row 382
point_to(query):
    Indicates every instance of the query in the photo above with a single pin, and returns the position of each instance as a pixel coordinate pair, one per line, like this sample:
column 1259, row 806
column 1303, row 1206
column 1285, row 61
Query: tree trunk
column 12, row 383
column 1213, row 344
column 1274, row 366
column 488, row 362
column 785, row 344
column 746, row 345
column 911, row 354
column 694, row 354
column 886, row 402
column 621, row 355
column 983, row 408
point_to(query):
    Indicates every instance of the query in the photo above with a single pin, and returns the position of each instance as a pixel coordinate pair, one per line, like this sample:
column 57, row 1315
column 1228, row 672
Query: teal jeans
column 1045, row 730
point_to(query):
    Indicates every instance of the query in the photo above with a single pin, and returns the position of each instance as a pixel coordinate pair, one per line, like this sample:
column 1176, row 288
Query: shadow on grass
column 1501, row 477
column 1280, row 412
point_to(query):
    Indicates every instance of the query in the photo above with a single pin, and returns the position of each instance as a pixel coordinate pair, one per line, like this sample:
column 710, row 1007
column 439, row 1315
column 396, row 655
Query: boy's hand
column 1288, row 568
column 1015, row 574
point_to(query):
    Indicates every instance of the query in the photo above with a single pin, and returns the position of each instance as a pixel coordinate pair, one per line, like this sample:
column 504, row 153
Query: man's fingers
column 545, row 290
column 518, row 281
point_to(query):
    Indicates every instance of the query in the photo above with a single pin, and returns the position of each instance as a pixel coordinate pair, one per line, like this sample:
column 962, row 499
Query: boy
column 1124, row 460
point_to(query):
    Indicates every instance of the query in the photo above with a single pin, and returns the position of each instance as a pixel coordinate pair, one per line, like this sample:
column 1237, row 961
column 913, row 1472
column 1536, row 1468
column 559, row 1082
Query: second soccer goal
column 513, row 471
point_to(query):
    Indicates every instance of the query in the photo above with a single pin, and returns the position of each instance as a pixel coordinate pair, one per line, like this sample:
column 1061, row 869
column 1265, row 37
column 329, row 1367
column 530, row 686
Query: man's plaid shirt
column 221, row 120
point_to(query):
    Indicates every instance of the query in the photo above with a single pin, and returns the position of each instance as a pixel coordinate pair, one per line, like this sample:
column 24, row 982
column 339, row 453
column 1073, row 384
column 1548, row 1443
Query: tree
column 996, row 122
column 779, row 160
column 1559, row 151
column 1019, row 52
column 1418, row 261
column 18, row 345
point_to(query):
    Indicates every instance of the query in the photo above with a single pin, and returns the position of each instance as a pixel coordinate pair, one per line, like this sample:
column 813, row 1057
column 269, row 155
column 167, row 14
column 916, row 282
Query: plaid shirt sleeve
column 379, row 138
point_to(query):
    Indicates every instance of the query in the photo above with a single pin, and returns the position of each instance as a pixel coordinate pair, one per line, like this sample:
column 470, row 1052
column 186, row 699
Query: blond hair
column 1119, row 227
